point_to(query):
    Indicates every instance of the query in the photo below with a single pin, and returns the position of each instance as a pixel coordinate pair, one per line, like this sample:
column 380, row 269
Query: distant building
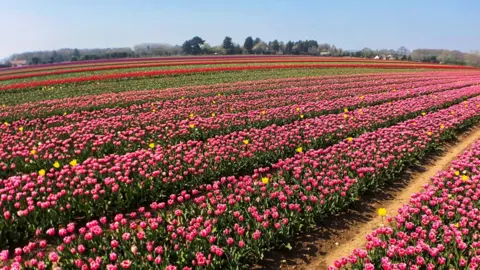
column 376, row 57
column 18, row 63
column 324, row 53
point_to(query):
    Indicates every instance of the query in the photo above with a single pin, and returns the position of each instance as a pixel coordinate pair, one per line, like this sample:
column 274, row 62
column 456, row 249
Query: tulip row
column 132, row 61
column 162, row 67
column 88, row 63
column 141, row 61
column 438, row 229
column 40, row 144
column 204, row 95
column 88, row 67
column 86, row 70
column 101, row 185
column 234, row 220
column 16, row 97
column 229, row 91
column 141, row 74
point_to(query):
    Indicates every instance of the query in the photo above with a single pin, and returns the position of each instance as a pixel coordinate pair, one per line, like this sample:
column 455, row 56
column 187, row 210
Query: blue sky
column 49, row 24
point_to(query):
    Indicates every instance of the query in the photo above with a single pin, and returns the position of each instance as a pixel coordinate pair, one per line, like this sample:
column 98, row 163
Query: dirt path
column 339, row 235
column 415, row 185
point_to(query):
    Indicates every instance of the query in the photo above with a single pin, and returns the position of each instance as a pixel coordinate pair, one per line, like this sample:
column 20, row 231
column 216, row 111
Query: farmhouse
column 18, row 63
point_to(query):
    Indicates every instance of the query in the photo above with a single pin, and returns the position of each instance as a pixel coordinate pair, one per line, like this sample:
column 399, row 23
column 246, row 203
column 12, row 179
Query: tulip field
column 210, row 162
column 438, row 229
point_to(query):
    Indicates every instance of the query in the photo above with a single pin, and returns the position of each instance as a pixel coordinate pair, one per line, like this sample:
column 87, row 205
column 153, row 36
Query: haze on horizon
column 29, row 25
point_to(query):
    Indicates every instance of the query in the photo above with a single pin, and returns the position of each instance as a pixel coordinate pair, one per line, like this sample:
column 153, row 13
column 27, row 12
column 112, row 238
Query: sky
column 29, row 25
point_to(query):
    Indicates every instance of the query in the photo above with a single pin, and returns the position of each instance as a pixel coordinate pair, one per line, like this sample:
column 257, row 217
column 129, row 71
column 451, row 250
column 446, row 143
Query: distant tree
column 54, row 57
column 192, row 46
column 248, row 45
column 228, row 45
column 76, row 53
column 260, row 48
column 187, row 47
column 275, row 46
column 333, row 50
column 289, row 47
column 403, row 51
column 36, row 61
column 472, row 59
column 281, row 47
column 237, row 49
column 367, row 52
column 256, row 41
column 219, row 50
column 314, row 50
column 207, row 48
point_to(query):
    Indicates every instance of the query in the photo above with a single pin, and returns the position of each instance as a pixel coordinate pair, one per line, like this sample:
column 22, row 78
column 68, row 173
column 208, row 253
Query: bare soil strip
column 340, row 235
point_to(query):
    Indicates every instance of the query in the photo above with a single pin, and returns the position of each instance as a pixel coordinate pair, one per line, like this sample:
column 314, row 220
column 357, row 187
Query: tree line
column 199, row 46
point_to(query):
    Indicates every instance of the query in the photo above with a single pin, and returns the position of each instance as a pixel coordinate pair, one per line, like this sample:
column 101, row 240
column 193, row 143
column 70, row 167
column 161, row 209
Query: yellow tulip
column 300, row 150
column 151, row 145
column 56, row 164
column 265, row 180
column 245, row 142
column 73, row 163
column 382, row 212
column 41, row 172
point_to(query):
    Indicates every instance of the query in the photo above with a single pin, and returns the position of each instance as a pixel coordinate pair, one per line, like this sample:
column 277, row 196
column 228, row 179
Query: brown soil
column 338, row 236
